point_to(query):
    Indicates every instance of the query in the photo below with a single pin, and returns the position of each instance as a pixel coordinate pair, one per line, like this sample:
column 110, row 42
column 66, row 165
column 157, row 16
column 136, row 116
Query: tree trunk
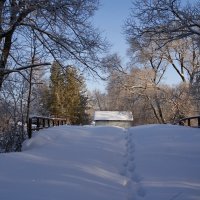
column 160, row 111
column 4, row 56
column 29, row 98
column 1, row 79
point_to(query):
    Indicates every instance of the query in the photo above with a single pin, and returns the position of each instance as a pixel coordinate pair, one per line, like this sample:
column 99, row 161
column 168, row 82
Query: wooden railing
column 190, row 121
column 36, row 123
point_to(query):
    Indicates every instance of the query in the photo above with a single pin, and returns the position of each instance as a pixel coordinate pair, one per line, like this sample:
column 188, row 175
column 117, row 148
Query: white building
column 113, row 118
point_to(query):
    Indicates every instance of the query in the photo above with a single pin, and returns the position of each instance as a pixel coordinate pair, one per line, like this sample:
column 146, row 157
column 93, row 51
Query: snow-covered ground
column 152, row 162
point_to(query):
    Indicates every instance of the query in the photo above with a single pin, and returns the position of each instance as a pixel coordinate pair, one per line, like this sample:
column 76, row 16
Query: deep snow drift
column 154, row 162
column 163, row 162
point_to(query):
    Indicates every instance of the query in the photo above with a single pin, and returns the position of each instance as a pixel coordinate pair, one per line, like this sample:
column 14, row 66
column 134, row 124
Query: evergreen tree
column 75, row 98
column 56, row 90
column 67, row 94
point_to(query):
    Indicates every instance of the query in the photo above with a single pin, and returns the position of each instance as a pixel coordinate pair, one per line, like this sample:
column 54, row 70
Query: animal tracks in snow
column 132, row 178
column 136, row 178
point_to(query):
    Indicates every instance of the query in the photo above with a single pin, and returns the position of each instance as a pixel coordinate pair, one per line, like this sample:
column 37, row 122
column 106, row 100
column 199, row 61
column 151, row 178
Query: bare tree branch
column 8, row 71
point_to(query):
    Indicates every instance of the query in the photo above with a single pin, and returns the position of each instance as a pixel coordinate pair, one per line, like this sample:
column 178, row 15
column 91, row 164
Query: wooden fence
column 190, row 121
column 36, row 123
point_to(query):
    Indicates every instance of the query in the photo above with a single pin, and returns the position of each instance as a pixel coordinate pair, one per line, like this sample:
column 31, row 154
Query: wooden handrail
column 187, row 121
column 43, row 122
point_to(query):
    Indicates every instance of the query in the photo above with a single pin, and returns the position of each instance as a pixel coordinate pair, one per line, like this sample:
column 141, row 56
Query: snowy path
column 133, row 180
column 153, row 162
column 162, row 162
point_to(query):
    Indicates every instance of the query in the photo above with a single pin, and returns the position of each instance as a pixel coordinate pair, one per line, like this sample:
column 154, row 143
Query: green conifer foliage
column 56, row 91
column 67, row 94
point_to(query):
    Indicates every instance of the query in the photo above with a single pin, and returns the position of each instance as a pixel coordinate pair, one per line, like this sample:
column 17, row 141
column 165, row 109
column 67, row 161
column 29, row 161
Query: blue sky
column 110, row 19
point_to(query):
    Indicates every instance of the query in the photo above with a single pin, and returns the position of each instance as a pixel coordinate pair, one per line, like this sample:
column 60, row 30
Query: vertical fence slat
column 189, row 123
column 198, row 121
column 38, row 123
column 29, row 128
column 43, row 123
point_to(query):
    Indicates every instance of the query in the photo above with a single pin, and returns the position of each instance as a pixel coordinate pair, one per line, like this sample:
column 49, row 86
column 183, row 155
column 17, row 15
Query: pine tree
column 56, row 90
column 67, row 94
column 76, row 100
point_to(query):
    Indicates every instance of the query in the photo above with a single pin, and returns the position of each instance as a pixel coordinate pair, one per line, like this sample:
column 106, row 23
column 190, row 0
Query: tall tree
column 163, row 21
column 63, row 29
column 56, row 90
column 67, row 94
column 72, row 89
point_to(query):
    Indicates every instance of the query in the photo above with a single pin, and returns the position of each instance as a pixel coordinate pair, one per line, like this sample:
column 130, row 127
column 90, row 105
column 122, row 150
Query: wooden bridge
column 190, row 121
column 37, row 122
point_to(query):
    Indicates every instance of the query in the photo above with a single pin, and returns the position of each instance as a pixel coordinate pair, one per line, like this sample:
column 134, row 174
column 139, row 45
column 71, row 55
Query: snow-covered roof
column 113, row 115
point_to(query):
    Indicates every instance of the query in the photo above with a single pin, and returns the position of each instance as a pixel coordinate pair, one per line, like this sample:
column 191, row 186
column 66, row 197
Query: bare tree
column 163, row 21
column 12, row 98
column 62, row 28
column 173, row 27
column 142, row 83
column 99, row 100
column 112, row 63
column 12, row 103
column 183, row 56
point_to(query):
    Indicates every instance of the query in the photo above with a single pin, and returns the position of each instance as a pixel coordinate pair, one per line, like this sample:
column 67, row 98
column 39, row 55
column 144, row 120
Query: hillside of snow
column 152, row 162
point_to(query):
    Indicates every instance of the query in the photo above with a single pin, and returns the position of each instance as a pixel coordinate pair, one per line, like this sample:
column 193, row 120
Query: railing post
column 189, row 124
column 43, row 123
column 48, row 122
column 29, row 128
column 38, row 124
column 198, row 121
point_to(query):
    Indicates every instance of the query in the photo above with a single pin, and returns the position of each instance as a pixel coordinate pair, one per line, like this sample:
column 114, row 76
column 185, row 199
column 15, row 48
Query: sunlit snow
column 152, row 162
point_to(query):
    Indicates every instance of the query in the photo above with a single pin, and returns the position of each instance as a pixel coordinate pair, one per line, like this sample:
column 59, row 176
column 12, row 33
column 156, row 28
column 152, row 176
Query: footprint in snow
column 125, row 164
column 141, row 191
column 131, row 157
column 131, row 167
column 136, row 178
column 125, row 155
column 131, row 148
column 122, row 172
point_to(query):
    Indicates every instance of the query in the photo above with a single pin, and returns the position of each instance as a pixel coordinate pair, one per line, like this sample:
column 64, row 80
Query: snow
column 113, row 115
column 152, row 162
column 166, row 162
